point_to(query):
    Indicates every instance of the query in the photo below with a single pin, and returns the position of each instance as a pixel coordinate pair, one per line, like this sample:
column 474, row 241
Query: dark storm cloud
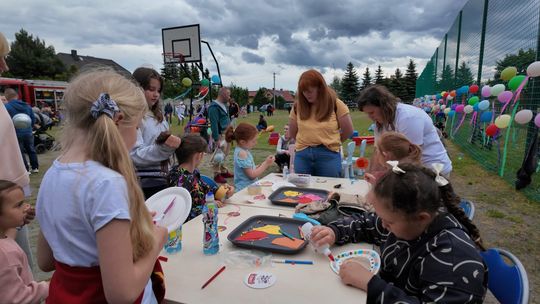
column 252, row 58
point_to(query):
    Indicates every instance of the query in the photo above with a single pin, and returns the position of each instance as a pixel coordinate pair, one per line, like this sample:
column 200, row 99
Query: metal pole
column 274, row 92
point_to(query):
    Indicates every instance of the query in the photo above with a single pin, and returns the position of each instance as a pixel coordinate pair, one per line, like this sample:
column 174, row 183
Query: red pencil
column 213, row 277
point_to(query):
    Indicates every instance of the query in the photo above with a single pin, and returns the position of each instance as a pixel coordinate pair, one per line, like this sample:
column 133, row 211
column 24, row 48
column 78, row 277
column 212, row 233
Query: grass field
column 505, row 217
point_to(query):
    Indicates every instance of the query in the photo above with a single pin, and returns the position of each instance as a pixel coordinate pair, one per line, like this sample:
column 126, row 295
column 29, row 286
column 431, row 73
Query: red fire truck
column 37, row 92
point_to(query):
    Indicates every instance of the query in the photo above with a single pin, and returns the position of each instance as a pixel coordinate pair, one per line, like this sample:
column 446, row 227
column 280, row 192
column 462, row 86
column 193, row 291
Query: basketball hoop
column 171, row 57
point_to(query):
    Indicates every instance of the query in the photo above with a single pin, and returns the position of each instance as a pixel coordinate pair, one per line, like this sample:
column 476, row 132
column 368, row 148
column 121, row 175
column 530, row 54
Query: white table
column 188, row 270
column 360, row 187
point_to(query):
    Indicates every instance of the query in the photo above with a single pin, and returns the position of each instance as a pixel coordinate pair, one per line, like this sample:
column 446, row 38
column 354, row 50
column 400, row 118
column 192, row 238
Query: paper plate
column 278, row 185
column 370, row 259
column 260, row 280
column 178, row 213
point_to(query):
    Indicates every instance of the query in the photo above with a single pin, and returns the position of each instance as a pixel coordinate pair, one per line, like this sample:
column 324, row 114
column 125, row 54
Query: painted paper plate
column 368, row 258
column 260, row 279
column 265, row 183
column 278, row 185
column 179, row 211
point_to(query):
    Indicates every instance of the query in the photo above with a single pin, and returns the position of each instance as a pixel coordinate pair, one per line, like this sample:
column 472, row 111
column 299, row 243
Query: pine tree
column 447, row 79
column 366, row 81
column 31, row 58
column 336, row 85
column 464, row 75
column 379, row 78
column 349, row 84
column 396, row 85
column 410, row 81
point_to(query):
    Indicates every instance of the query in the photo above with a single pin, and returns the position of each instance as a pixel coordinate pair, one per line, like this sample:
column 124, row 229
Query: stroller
column 43, row 141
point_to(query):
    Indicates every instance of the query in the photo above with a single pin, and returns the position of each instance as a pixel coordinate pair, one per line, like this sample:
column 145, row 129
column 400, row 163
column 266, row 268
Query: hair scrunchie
column 104, row 105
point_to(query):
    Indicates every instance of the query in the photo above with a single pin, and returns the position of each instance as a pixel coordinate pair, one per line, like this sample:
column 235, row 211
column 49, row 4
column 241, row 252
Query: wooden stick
column 213, row 277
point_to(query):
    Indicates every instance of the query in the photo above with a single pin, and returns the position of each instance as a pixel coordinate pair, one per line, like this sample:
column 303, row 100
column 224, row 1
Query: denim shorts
column 318, row 161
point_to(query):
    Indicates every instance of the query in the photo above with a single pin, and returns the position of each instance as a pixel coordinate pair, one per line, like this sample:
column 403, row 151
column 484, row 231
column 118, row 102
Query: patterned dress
column 180, row 177
column 441, row 266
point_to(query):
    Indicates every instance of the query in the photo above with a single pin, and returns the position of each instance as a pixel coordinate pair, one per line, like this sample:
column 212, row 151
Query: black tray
column 288, row 225
column 277, row 196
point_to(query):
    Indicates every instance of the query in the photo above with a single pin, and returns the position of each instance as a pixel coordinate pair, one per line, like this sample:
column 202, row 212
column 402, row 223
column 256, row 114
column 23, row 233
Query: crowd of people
column 98, row 236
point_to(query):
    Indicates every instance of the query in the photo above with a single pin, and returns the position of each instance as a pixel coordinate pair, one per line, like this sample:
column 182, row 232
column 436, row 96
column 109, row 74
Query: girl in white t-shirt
column 96, row 233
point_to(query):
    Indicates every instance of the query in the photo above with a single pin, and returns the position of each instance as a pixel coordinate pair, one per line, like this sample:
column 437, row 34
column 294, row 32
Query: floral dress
column 192, row 182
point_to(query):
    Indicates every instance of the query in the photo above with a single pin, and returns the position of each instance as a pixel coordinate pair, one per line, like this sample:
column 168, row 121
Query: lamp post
column 274, row 91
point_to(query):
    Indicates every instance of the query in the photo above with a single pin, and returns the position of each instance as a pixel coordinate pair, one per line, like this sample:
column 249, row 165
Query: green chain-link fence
column 486, row 36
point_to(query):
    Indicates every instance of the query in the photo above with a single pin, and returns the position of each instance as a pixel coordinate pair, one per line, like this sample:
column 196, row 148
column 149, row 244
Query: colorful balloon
column 491, row 130
column 459, row 108
column 486, row 117
column 447, row 110
column 453, row 93
column 503, row 121
column 473, row 89
column 514, row 83
column 473, row 100
column 486, row 91
column 475, row 107
column 508, row 73
column 537, row 120
column 524, row 116
column 186, row 82
column 468, row 109
column 205, row 82
column 451, row 113
column 483, row 105
column 534, row 69
column 505, row 96
column 215, row 79
column 497, row 89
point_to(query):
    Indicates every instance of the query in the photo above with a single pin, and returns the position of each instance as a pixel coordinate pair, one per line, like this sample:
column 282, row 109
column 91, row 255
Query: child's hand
column 160, row 236
column 220, row 204
column 230, row 190
column 321, row 235
column 270, row 160
column 354, row 274
column 173, row 142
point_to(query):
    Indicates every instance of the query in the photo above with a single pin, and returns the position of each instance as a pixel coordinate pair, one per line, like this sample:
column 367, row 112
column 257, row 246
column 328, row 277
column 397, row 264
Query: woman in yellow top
column 320, row 122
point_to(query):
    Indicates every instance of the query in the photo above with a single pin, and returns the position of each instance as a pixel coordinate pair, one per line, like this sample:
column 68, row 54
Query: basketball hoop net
column 171, row 57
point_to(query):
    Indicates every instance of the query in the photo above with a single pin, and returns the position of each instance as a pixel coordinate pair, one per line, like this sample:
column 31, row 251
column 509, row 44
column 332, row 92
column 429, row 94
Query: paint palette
column 368, row 258
column 292, row 196
column 269, row 233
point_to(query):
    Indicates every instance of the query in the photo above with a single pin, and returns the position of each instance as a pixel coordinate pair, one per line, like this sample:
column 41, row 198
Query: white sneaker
column 35, row 170
column 29, row 172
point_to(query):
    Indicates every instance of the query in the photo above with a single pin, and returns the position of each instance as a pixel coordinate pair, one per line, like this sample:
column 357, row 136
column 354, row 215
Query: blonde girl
column 96, row 233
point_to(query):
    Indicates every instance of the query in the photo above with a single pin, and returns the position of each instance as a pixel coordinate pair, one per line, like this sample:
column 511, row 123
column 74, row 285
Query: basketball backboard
column 184, row 40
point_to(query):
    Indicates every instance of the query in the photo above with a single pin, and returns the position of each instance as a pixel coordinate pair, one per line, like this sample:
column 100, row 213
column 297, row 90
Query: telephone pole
column 274, row 91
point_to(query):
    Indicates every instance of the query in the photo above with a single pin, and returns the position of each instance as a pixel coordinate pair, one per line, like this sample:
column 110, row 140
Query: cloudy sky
column 251, row 39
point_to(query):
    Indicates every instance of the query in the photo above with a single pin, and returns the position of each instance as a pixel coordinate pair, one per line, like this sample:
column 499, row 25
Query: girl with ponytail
column 429, row 248
column 96, row 230
column 245, row 171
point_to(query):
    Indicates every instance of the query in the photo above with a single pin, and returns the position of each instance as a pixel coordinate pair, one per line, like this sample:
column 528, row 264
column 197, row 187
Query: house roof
column 81, row 61
column 287, row 95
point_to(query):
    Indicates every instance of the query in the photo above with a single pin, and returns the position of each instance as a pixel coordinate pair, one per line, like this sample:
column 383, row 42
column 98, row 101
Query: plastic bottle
column 174, row 241
column 210, row 220
column 324, row 249
column 285, row 172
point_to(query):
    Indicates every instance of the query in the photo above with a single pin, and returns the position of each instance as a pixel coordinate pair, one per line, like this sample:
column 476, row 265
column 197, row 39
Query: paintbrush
column 169, row 207
column 213, row 277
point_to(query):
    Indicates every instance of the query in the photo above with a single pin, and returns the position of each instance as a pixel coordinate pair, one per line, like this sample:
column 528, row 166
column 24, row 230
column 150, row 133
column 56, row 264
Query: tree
column 396, row 85
column 260, row 98
column 379, row 78
column 366, row 81
column 239, row 94
column 410, row 80
column 349, row 84
column 447, row 79
column 31, row 58
column 521, row 61
column 336, row 85
column 464, row 75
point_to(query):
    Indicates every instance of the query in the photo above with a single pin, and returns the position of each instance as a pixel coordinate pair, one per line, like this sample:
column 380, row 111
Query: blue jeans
column 318, row 161
column 26, row 144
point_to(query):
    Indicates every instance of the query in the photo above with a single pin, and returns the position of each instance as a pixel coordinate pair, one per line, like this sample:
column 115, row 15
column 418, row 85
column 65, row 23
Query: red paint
column 331, row 257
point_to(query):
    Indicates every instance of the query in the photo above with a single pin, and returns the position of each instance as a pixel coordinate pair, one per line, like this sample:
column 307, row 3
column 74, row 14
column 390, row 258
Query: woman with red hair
column 320, row 122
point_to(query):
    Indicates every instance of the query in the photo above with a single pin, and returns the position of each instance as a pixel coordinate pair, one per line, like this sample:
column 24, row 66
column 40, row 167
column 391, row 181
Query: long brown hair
column 104, row 143
column 416, row 190
column 379, row 96
column 326, row 99
column 400, row 146
column 143, row 76
column 191, row 144
column 243, row 131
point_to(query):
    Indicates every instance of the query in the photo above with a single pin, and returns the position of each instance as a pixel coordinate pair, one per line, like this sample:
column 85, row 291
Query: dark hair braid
column 451, row 201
